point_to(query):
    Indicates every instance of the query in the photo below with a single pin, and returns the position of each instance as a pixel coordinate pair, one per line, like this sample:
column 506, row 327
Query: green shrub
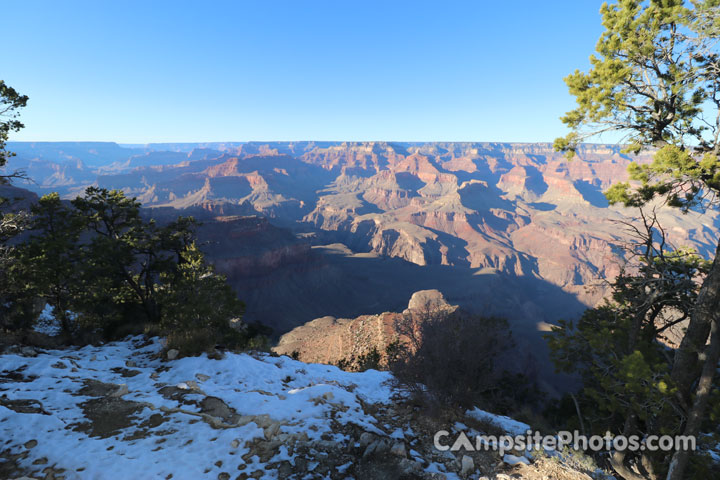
column 191, row 342
column 368, row 361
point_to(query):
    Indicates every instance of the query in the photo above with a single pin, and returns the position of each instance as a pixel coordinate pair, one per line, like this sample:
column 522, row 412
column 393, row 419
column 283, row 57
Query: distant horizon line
column 244, row 142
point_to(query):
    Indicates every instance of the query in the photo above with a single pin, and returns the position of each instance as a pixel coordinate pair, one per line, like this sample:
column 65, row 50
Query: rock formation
column 330, row 340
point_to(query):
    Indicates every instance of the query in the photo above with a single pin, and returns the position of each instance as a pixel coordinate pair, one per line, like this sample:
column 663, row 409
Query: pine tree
column 656, row 79
column 12, row 314
column 10, row 102
column 199, row 308
column 49, row 261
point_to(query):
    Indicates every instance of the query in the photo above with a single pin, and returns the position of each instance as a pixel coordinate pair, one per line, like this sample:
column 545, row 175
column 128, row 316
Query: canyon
column 305, row 230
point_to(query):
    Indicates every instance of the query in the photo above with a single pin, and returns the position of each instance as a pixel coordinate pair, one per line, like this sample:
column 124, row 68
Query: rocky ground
column 124, row 410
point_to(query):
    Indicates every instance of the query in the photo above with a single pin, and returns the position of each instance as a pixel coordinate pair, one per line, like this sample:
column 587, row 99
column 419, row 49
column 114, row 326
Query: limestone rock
column 216, row 407
column 366, row 438
column 329, row 340
column 121, row 390
column 410, row 468
column 427, row 300
column 467, row 465
column 28, row 352
column 398, row 449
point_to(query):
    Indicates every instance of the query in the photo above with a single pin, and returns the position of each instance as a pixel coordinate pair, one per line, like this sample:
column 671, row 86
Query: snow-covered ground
column 297, row 397
column 121, row 411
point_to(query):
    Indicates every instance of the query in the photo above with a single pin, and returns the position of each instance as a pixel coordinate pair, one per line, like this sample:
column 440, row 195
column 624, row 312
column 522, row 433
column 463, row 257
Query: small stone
column 223, row 476
column 366, row 438
column 410, row 468
column 172, row 354
column 31, row 444
column 58, row 364
column 370, row 449
column 326, row 445
column 266, row 450
column 301, row 464
column 467, row 465
column 235, row 443
column 28, row 352
column 202, row 377
column 272, row 430
column 382, row 447
column 215, row 407
column 130, row 364
column 244, row 420
column 285, row 470
column 121, row 390
column 514, row 459
column 398, row 449
column 262, row 421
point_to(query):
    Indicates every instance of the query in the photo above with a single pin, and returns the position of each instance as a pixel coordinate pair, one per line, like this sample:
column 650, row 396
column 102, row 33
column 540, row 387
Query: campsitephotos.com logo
column 443, row 441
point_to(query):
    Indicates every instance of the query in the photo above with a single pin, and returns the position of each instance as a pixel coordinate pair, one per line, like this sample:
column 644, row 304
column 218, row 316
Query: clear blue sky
column 156, row 71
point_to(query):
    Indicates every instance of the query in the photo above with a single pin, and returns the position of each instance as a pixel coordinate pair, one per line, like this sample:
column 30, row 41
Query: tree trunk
column 702, row 397
column 686, row 367
column 617, row 458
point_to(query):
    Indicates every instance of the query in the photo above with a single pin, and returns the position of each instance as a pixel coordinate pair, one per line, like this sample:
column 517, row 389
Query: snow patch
column 513, row 427
column 301, row 398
